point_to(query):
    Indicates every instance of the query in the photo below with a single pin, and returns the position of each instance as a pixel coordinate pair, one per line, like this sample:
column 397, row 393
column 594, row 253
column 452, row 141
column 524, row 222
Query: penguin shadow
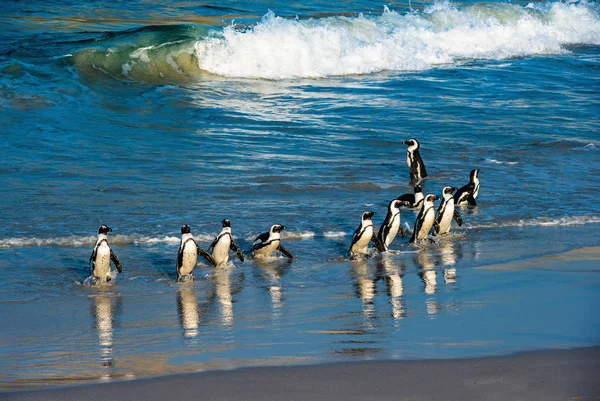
column 105, row 310
column 391, row 272
column 271, row 270
column 227, row 282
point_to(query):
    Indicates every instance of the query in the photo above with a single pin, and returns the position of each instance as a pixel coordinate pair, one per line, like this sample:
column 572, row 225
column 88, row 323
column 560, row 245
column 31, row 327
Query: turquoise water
column 148, row 116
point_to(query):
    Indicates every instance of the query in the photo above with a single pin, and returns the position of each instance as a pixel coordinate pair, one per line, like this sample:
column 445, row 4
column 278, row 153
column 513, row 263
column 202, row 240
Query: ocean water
column 148, row 115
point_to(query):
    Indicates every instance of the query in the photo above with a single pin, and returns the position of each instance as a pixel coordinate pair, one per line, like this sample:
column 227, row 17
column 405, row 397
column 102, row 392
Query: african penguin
column 414, row 161
column 102, row 255
column 187, row 256
column 362, row 236
column 391, row 225
column 467, row 194
column 223, row 243
column 446, row 213
column 268, row 242
column 425, row 219
column 416, row 199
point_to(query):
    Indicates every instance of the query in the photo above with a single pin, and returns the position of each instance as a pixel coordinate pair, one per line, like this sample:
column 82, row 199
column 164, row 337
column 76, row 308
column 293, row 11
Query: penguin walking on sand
column 414, row 161
column 446, row 212
column 425, row 219
column 363, row 235
column 222, row 244
column 467, row 194
column 187, row 257
column 391, row 225
column 266, row 243
column 102, row 255
column 416, row 199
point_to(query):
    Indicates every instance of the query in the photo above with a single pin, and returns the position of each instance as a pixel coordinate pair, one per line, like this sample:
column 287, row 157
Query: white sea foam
column 334, row 234
column 279, row 48
column 494, row 161
column 539, row 222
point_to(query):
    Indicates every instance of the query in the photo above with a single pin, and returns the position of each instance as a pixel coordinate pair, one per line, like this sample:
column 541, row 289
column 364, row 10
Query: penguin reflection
column 364, row 286
column 272, row 274
column 450, row 253
column 104, row 313
column 429, row 277
column 389, row 271
column 187, row 307
column 224, row 291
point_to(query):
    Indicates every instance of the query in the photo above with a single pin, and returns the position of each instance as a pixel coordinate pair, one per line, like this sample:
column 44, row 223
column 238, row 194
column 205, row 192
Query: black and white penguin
column 266, row 243
column 415, row 200
column 391, row 225
column 414, row 161
column 446, row 213
column 223, row 243
column 363, row 235
column 467, row 194
column 187, row 257
column 425, row 219
column 102, row 255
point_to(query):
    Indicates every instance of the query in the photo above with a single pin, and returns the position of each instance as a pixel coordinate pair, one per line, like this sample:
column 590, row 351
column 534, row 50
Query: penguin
column 446, row 212
column 467, row 194
column 414, row 161
column 223, row 243
column 416, row 199
column 391, row 225
column 425, row 219
column 363, row 235
column 188, row 255
column 268, row 242
column 102, row 255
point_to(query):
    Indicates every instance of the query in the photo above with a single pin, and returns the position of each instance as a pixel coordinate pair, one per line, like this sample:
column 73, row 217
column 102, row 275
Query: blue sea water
column 148, row 115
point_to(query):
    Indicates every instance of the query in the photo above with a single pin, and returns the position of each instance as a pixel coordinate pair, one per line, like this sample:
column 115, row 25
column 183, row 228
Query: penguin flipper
column 179, row 259
column 414, row 172
column 92, row 261
column 237, row 250
column 206, row 255
column 116, row 261
column 457, row 218
column 212, row 245
column 401, row 231
column 471, row 200
column 287, row 253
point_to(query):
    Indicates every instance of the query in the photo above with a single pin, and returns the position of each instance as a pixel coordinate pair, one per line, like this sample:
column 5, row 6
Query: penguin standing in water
column 446, row 213
column 425, row 219
column 414, row 161
column 266, row 243
column 102, row 255
column 391, row 225
column 187, row 256
column 415, row 200
column 467, row 194
column 222, row 244
column 363, row 235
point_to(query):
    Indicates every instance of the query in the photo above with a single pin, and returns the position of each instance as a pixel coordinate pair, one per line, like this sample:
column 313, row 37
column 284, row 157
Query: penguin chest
column 445, row 220
column 362, row 243
column 102, row 262
column 394, row 228
column 409, row 158
column 221, row 250
column 267, row 249
column 476, row 191
column 189, row 259
column 426, row 225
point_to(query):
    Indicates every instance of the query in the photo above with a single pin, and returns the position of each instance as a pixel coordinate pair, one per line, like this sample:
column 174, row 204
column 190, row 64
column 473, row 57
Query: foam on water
column 279, row 48
column 539, row 222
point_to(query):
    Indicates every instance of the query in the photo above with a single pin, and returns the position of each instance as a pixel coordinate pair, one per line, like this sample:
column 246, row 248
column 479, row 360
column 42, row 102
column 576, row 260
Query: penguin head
column 104, row 229
column 226, row 223
column 431, row 198
column 277, row 228
column 185, row 229
column 368, row 215
column 474, row 174
column 397, row 204
column 411, row 143
column 447, row 192
column 418, row 188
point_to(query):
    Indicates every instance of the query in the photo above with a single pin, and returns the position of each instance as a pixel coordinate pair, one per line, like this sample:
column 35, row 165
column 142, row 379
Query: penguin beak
column 283, row 228
column 109, row 229
column 404, row 143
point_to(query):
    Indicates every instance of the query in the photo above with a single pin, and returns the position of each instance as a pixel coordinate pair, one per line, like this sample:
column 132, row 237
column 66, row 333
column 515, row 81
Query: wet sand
column 541, row 375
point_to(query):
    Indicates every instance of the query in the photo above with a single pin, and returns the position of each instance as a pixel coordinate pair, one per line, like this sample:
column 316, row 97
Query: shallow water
column 148, row 116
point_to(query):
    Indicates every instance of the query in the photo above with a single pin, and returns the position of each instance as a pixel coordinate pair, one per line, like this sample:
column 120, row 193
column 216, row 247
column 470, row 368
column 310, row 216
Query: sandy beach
column 543, row 375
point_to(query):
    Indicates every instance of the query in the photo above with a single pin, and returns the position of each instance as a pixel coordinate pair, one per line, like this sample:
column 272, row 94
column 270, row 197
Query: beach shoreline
column 566, row 374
